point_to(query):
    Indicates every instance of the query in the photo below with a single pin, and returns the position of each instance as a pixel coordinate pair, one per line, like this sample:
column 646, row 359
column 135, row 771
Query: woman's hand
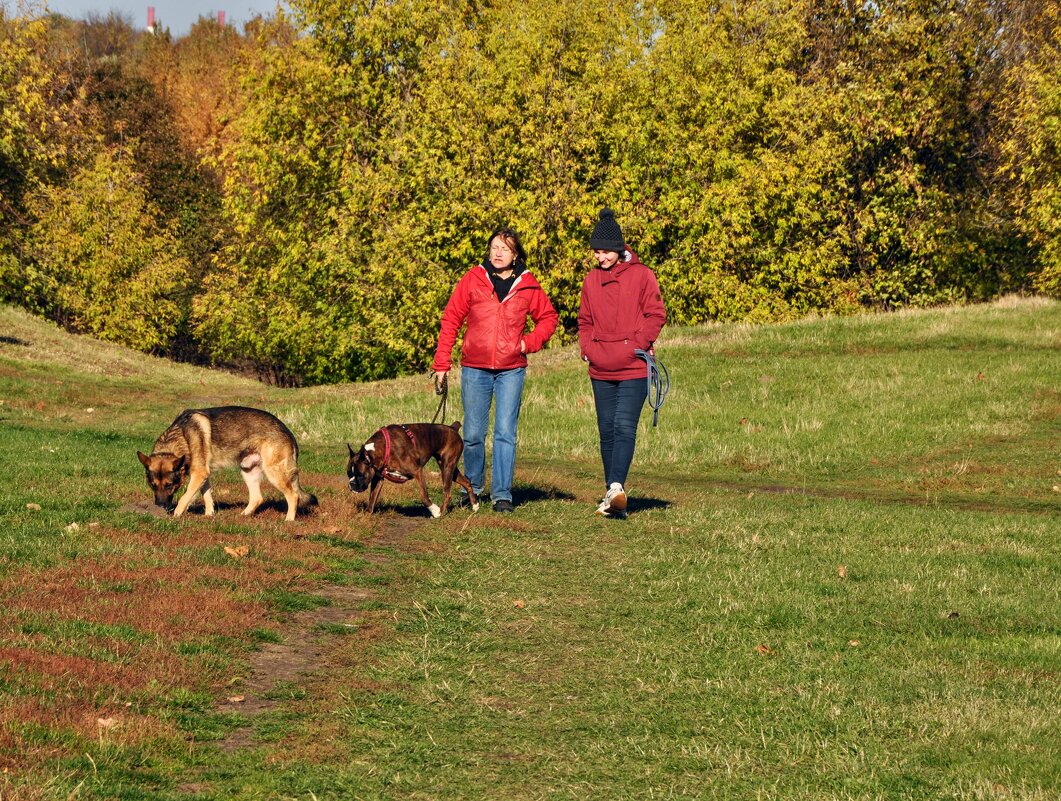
column 440, row 377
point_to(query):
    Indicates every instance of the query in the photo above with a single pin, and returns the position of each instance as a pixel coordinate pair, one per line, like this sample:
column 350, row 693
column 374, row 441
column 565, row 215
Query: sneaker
column 614, row 503
column 504, row 507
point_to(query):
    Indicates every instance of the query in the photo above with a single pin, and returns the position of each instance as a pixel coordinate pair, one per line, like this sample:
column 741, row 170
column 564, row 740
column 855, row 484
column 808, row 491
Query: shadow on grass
column 635, row 505
column 196, row 509
column 531, row 494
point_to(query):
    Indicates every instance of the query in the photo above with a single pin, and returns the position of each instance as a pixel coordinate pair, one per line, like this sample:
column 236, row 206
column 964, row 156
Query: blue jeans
column 619, row 405
column 478, row 389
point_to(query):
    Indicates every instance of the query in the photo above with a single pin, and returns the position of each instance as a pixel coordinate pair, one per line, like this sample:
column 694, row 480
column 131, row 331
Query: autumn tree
column 102, row 262
column 1029, row 136
column 41, row 114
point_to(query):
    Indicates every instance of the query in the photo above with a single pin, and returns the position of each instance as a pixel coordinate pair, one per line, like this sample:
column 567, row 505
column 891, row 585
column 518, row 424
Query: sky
column 177, row 15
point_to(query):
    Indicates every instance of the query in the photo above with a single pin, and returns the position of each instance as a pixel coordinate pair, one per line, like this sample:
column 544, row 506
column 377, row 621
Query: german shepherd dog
column 399, row 452
column 201, row 440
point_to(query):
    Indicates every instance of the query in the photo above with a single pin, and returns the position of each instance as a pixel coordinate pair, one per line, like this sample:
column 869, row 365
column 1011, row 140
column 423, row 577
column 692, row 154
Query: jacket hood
column 627, row 260
column 524, row 277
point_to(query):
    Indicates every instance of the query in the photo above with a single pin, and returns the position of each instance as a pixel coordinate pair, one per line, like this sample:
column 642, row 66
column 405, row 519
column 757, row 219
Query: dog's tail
column 306, row 500
column 455, row 425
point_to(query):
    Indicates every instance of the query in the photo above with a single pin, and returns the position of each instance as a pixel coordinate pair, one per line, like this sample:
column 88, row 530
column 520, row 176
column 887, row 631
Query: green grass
column 841, row 579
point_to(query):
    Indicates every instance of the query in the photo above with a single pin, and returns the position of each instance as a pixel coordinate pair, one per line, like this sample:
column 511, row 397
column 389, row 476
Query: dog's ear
column 180, row 465
column 144, row 460
column 455, row 425
column 350, row 449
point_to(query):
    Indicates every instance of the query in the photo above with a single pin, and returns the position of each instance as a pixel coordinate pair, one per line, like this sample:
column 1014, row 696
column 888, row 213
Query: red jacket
column 495, row 328
column 621, row 310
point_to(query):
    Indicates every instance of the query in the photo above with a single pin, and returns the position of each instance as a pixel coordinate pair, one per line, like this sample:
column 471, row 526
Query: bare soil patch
column 308, row 637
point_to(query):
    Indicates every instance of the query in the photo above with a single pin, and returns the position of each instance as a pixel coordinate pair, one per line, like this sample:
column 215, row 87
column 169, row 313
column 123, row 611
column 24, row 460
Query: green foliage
column 1032, row 147
column 328, row 175
column 102, row 262
column 38, row 120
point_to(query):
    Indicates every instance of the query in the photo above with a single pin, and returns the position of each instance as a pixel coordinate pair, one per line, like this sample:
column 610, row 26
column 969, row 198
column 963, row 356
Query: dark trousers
column 619, row 405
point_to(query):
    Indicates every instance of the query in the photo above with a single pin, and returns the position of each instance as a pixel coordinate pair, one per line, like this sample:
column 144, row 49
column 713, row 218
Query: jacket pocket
column 611, row 357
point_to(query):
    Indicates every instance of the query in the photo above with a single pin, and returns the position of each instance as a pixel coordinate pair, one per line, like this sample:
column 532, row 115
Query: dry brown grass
column 98, row 637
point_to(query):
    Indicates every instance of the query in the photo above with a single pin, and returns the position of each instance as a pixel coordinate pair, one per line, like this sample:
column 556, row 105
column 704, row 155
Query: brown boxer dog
column 399, row 452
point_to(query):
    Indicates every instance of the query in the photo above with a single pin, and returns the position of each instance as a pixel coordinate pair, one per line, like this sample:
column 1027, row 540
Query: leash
column 658, row 382
column 441, row 388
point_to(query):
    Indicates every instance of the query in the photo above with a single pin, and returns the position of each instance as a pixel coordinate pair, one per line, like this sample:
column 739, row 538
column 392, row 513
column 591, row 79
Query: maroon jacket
column 621, row 310
column 495, row 328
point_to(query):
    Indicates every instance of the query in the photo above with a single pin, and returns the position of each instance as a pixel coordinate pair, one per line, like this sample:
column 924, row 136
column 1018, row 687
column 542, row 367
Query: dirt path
column 305, row 645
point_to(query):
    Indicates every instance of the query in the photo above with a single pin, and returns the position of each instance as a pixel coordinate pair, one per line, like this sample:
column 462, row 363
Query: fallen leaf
column 90, row 410
column 765, row 650
column 952, row 615
column 238, row 552
column 874, row 460
column 519, row 603
column 744, row 421
column 980, row 376
column 854, row 643
column 108, row 723
column 842, row 571
column 236, row 699
column 73, row 527
column 93, row 524
column 33, row 507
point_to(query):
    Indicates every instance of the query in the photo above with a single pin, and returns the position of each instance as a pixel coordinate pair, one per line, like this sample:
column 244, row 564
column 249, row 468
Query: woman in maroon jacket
column 495, row 298
column 621, row 311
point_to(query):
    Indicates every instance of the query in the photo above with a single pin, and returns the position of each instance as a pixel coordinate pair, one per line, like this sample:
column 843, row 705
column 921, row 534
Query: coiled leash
column 441, row 388
column 658, row 382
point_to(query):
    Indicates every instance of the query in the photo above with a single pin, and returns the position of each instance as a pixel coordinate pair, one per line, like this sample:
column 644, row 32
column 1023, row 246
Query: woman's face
column 606, row 258
column 501, row 254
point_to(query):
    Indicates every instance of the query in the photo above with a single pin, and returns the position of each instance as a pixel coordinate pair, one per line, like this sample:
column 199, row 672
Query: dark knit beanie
column 606, row 233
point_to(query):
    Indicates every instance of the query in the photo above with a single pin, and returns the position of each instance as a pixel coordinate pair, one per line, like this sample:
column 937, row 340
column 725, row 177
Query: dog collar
column 388, row 473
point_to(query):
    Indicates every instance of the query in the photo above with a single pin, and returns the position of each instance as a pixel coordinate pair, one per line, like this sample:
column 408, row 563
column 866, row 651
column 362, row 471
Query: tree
column 1030, row 141
column 40, row 114
column 102, row 262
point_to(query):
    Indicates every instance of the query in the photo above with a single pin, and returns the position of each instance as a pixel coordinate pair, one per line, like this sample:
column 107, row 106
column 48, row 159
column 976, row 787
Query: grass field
column 840, row 579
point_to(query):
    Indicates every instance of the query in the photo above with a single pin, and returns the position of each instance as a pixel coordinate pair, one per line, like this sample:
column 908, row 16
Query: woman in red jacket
column 495, row 299
column 621, row 311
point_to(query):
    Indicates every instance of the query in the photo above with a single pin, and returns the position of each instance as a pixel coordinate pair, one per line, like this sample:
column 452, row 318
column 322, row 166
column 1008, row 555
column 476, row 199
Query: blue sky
column 177, row 15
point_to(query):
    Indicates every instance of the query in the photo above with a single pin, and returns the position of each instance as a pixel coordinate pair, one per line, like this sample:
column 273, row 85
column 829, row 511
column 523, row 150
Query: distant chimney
column 221, row 19
column 150, row 19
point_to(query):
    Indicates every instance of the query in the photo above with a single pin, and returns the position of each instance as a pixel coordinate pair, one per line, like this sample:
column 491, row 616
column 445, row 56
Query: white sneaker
column 614, row 502
column 616, row 497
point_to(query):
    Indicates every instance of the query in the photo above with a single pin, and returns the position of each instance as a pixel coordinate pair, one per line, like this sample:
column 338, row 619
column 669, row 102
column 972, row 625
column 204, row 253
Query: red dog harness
column 388, row 473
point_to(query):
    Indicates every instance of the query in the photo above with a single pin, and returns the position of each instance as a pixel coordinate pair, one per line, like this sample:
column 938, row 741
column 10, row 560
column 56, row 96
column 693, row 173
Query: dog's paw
column 434, row 510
